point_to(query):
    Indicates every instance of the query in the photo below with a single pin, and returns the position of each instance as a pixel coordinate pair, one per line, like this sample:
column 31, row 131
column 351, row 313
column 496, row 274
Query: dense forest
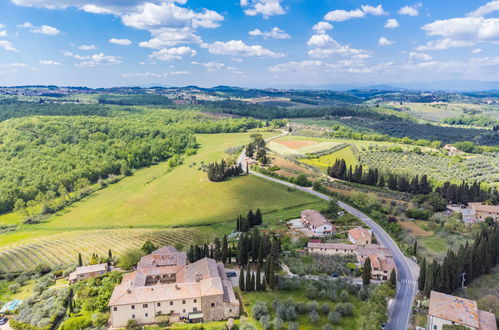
column 135, row 99
column 44, row 157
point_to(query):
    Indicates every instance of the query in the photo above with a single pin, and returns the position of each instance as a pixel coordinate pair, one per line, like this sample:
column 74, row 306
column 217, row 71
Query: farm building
column 317, row 223
column 446, row 309
column 164, row 284
column 84, row 272
column 476, row 212
column 360, row 236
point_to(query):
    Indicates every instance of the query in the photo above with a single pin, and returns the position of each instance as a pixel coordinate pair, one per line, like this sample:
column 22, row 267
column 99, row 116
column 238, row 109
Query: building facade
column 164, row 284
column 317, row 223
column 85, row 272
column 446, row 309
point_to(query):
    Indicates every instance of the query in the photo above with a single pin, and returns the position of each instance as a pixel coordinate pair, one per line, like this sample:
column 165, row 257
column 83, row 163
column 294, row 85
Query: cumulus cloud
column 122, row 42
column 325, row 46
column 213, row 66
column 43, row 29
column 275, row 33
column 166, row 37
column 414, row 56
column 322, row 27
column 3, row 33
column 171, row 54
column 49, row 62
column 465, row 28
column 239, row 48
column 87, row 47
column 384, row 42
column 93, row 60
column 443, row 44
column 476, row 51
column 153, row 74
column 392, row 23
column 7, row 45
column 341, row 15
column 410, row 10
column 488, row 8
column 266, row 8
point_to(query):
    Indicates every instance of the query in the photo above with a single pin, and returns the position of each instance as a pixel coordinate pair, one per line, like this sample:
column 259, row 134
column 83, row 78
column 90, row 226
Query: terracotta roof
column 374, row 249
column 88, row 269
column 455, row 309
column 359, row 233
column 314, row 218
column 332, row 246
column 487, row 320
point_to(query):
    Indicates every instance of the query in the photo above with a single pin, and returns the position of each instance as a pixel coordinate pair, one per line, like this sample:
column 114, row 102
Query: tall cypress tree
column 366, row 272
column 393, row 279
column 422, row 275
column 241, row 279
column 225, row 249
column 80, row 261
column 248, row 277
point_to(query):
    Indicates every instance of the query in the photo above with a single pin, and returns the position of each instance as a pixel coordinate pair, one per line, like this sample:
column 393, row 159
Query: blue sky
column 255, row 43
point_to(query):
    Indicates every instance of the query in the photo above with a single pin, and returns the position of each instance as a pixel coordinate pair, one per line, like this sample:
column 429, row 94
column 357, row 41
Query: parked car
column 3, row 320
column 231, row 274
column 335, row 274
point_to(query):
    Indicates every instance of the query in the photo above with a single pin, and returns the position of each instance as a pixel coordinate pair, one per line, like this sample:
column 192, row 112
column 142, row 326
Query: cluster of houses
column 476, row 212
column 165, row 284
column 316, row 224
column 448, row 310
column 361, row 246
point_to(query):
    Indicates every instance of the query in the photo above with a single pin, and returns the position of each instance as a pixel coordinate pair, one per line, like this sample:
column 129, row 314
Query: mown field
column 151, row 199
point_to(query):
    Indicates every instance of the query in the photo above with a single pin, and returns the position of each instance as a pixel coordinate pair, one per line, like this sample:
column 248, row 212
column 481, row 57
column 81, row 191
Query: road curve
column 406, row 287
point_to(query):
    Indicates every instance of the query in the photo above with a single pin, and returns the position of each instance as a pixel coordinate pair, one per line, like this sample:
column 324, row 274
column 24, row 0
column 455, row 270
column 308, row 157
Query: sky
column 247, row 43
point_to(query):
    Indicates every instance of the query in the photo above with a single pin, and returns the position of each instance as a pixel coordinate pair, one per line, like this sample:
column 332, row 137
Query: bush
column 293, row 325
column 344, row 309
column 278, row 323
column 420, row 214
column 131, row 258
column 13, row 288
column 259, row 309
column 325, row 308
column 334, row 317
column 314, row 316
column 76, row 323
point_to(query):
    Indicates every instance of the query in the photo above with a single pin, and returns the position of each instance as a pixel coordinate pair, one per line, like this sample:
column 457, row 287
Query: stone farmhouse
column 317, row 223
column 85, row 272
column 360, row 236
column 382, row 262
column 164, row 284
column 446, row 309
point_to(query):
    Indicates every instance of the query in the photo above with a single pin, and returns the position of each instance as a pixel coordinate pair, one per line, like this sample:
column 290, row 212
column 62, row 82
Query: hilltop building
column 360, row 236
column 85, row 272
column 446, row 309
column 164, row 284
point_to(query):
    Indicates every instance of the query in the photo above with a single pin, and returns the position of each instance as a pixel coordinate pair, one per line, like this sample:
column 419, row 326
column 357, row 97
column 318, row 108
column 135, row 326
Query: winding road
column 400, row 314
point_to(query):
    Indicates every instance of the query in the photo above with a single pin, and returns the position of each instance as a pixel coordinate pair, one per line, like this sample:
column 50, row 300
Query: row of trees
column 257, row 247
column 451, row 192
column 244, row 224
column 219, row 250
column 219, row 172
column 470, row 262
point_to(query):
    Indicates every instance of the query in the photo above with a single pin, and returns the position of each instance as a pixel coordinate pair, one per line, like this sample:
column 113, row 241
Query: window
column 195, row 309
column 171, row 303
column 183, row 310
column 183, row 302
column 144, row 306
column 133, row 316
column 171, row 311
column 230, row 310
column 195, row 300
column 115, row 309
column 159, row 304
column 133, row 306
column 212, row 304
column 146, row 315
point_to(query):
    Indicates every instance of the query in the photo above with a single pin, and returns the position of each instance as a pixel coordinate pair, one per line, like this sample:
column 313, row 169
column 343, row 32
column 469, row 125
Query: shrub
column 344, row 309
column 314, row 316
column 334, row 317
column 76, row 323
column 293, row 325
column 259, row 309
column 278, row 323
column 131, row 258
column 344, row 296
column 325, row 308
column 420, row 214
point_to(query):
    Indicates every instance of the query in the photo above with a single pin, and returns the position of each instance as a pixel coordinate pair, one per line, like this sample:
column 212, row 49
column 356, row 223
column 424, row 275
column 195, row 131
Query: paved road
column 406, row 287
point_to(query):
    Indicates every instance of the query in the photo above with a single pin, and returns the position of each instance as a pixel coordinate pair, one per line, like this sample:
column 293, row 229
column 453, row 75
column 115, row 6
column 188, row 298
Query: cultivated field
column 300, row 148
column 155, row 199
column 323, row 162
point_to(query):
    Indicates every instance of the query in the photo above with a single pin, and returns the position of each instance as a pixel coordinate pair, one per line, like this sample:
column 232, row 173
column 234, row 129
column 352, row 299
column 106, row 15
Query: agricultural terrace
column 153, row 198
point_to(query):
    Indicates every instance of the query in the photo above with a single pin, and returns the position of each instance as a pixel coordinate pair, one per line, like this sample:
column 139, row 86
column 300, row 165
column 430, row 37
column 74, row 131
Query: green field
column 152, row 199
column 284, row 150
column 325, row 161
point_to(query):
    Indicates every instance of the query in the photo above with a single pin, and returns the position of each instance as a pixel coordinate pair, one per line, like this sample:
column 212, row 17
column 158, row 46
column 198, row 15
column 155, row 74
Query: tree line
column 218, row 172
column 244, row 224
column 451, row 192
column 470, row 262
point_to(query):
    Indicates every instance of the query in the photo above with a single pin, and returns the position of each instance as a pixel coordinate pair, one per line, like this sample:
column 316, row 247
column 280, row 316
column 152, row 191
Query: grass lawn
column 437, row 245
column 325, row 161
column 24, row 292
column 151, row 200
column 250, row 298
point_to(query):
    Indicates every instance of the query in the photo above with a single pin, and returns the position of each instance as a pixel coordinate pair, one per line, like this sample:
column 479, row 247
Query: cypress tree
column 251, row 219
column 248, row 277
column 225, row 249
column 80, row 261
column 415, row 248
column 271, row 274
column 422, row 276
column 393, row 279
column 366, row 272
column 258, row 278
column 258, row 217
column 241, row 279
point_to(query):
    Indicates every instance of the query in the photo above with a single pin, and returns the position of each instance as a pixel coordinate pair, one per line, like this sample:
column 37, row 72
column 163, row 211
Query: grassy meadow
column 153, row 199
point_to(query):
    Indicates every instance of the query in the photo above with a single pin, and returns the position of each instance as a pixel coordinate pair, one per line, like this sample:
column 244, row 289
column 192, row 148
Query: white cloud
column 266, row 8
column 443, row 44
column 43, row 29
column 410, row 10
column 296, row 66
column 122, row 42
column 7, row 45
column 171, row 54
column 488, row 8
column 376, row 11
column 322, row 41
column 341, row 15
column 3, row 33
column 275, row 33
column 465, row 28
column 476, row 51
column 322, row 27
column 392, row 23
column 239, row 48
column 178, row 73
column 87, row 47
column 143, row 75
column 15, row 65
column 325, row 46
column 49, row 62
column 167, row 37
column 2, row 26
column 213, row 66
column 384, row 42
column 414, row 56
column 94, row 60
